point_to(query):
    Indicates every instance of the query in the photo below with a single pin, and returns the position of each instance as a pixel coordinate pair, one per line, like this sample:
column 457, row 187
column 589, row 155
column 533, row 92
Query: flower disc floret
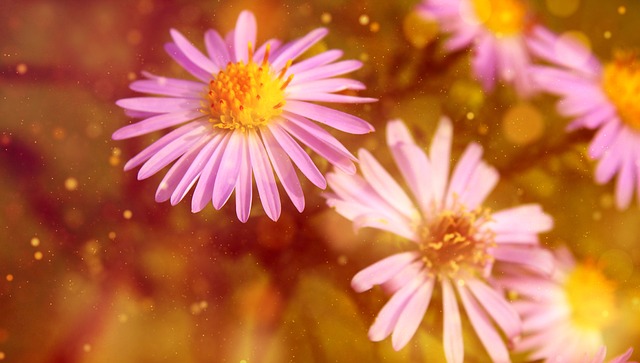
column 621, row 83
column 453, row 240
column 502, row 17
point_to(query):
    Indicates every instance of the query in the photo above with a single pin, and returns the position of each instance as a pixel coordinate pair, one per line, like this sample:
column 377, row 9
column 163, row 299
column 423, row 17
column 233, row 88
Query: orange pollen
column 245, row 96
column 454, row 240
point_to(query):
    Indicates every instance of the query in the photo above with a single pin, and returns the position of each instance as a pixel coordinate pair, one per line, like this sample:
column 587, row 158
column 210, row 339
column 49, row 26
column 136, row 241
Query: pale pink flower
column 244, row 117
column 562, row 315
column 454, row 240
column 605, row 98
column 497, row 31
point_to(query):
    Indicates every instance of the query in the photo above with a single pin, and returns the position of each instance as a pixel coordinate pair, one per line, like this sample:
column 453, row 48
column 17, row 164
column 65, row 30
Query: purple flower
column 498, row 31
column 605, row 98
column 455, row 241
column 244, row 117
column 563, row 315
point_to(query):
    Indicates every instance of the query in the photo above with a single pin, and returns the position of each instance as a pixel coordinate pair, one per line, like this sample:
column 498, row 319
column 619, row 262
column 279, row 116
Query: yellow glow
column 621, row 83
column 591, row 297
column 503, row 17
column 245, row 96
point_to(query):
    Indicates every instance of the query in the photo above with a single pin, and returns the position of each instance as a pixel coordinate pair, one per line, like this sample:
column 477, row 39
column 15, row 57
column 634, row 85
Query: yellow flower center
column 502, row 17
column 621, row 83
column 591, row 297
column 245, row 96
column 453, row 240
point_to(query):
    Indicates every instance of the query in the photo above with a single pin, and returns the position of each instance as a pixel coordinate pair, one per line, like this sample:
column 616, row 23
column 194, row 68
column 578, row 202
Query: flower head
column 563, row 316
column 245, row 117
column 602, row 97
column 454, row 240
column 498, row 31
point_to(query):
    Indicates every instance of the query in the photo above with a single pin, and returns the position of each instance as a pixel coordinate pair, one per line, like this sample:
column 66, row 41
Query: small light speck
column 127, row 214
column 374, row 27
column 363, row 19
column 9, row 277
column 325, row 18
column 470, row 116
column 71, row 184
column 2, row 355
column 86, row 348
column 21, row 68
column 38, row 255
column 112, row 235
column 35, row 241
column 123, row 318
column 364, row 57
column 243, row 361
column 622, row 10
column 607, row 35
column 342, row 260
column 131, row 76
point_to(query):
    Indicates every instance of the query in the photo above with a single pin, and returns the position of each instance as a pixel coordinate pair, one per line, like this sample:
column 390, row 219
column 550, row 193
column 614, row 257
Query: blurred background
column 93, row 270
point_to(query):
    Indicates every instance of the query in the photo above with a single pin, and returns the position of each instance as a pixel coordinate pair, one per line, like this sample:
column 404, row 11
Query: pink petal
column 156, row 123
column 298, row 156
column 186, row 63
column 484, row 329
column 535, row 258
column 412, row 315
column 484, row 62
column 175, row 175
column 498, row 308
column 195, row 168
column 297, row 47
column 604, row 138
column 284, row 169
column 164, row 87
column 512, row 220
column 439, row 154
column 386, row 186
column 217, row 49
column 172, row 151
column 265, row 181
column 463, row 171
column 158, row 145
column 480, row 185
column 324, row 149
column 159, row 104
column 328, row 97
column 245, row 33
column 326, row 71
column 192, row 53
column 229, row 169
column 325, row 85
column 314, row 62
column 390, row 312
column 452, row 335
column 244, row 183
column 204, row 189
column 382, row 271
column 330, row 117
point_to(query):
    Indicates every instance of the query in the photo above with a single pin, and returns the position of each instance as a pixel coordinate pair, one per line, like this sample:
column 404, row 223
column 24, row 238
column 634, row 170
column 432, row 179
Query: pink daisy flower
column 498, row 32
column 455, row 241
column 562, row 316
column 244, row 117
column 605, row 98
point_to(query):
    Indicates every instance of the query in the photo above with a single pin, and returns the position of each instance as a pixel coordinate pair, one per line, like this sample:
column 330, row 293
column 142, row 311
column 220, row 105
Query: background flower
column 497, row 31
column 240, row 118
column 456, row 240
column 598, row 97
column 563, row 316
